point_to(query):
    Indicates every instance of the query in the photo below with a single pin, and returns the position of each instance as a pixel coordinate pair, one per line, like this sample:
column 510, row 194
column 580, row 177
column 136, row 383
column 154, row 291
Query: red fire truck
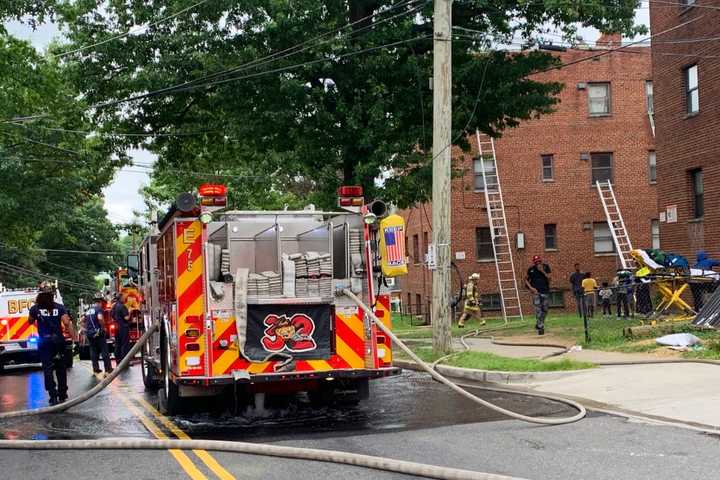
column 250, row 300
column 124, row 282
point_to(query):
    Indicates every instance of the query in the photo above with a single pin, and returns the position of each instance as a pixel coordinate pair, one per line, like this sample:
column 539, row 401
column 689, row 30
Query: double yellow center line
column 132, row 401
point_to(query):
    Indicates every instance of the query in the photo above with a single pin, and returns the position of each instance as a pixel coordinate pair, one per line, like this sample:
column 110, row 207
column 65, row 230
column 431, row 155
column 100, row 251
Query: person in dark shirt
column 50, row 318
column 538, row 282
column 121, row 316
column 97, row 335
column 576, row 282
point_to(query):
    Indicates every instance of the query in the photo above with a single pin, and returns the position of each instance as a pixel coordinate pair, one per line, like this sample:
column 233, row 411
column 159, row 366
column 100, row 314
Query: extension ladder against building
column 502, row 247
column 615, row 221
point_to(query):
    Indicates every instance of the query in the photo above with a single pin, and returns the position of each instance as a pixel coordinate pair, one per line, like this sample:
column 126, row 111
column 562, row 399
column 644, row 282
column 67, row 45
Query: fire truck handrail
column 265, row 213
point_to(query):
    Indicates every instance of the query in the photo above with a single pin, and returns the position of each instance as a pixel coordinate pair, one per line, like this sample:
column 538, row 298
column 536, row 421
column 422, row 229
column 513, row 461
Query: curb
column 490, row 376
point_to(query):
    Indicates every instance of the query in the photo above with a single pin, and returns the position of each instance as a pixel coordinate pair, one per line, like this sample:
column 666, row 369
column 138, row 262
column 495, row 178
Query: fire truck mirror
column 133, row 263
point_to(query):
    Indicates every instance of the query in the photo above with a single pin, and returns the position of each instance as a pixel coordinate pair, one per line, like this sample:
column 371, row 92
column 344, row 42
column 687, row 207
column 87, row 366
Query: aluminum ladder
column 502, row 247
column 615, row 221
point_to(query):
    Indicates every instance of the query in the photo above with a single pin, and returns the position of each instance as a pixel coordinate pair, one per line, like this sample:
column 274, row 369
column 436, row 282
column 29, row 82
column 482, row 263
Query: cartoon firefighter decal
column 293, row 334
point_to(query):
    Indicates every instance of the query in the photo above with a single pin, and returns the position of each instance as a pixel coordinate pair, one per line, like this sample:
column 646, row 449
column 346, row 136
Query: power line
column 193, row 85
column 131, row 31
column 28, row 255
column 283, row 69
column 254, row 63
column 613, row 50
column 118, row 134
column 21, row 270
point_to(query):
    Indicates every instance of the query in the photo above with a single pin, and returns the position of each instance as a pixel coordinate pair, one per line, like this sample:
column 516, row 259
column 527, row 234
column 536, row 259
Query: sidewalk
column 688, row 392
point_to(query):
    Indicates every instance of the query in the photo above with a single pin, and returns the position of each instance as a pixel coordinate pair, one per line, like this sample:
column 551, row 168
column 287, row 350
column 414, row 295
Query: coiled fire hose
column 367, row 461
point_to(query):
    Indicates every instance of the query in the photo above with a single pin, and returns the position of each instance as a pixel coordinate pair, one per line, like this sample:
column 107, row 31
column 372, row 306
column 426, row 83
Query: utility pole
column 441, row 151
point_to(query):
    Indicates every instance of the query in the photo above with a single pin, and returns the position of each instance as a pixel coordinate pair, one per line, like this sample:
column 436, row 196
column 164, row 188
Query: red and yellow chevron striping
column 190, row 297
column 16, row 328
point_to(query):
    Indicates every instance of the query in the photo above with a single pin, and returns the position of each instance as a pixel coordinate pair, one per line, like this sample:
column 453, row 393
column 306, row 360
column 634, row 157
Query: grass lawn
column 605, row 333
column 489, row 361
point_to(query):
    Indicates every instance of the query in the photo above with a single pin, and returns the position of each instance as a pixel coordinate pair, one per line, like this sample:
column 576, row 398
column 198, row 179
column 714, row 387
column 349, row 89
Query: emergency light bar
column 350, row 196
column 212, row 190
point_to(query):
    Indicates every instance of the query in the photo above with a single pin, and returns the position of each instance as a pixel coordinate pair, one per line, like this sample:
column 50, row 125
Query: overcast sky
column 122, row 197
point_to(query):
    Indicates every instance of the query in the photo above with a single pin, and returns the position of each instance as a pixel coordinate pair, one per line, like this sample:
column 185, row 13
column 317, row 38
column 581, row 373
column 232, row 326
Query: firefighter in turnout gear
column 472, row 301
column 50, row 318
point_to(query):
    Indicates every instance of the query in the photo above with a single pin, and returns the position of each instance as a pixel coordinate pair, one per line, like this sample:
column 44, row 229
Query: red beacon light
column 213, row 195
column 212, row 190
column 350, row 197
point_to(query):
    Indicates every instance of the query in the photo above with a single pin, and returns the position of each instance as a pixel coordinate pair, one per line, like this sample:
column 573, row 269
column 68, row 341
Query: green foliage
column 490, row 361
column 51, row 195
column 333, row 115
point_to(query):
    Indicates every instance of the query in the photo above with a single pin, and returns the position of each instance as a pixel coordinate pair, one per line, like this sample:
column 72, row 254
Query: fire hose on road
column 331, row 456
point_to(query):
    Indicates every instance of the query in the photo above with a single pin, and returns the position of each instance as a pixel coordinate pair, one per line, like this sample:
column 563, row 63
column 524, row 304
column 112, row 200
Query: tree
column 344, row 108
column 51, row 196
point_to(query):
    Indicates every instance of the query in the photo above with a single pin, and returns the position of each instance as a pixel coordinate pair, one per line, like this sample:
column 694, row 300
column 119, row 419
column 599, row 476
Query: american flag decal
column 395, row 245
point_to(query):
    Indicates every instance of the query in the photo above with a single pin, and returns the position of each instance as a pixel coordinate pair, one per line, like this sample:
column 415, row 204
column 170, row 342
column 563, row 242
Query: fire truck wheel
column 2, row 367
column 149, row 373
column 169, row 399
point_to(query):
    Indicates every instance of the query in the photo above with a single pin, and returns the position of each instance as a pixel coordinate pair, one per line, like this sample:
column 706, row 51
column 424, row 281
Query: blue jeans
column 541, row 301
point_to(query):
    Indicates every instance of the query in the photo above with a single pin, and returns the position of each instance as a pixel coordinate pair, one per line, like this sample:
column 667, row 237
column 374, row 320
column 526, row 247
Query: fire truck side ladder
column 502, row 248
column 615, row 222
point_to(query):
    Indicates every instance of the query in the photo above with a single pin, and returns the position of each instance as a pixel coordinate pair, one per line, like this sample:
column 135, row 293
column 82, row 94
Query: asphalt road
column 407, row 417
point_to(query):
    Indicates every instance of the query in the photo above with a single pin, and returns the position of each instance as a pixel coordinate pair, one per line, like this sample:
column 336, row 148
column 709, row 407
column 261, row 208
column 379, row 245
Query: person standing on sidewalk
column 576, row 280
column 589, row 285
column 95, row 332
column 121, row 316
column 538, row 282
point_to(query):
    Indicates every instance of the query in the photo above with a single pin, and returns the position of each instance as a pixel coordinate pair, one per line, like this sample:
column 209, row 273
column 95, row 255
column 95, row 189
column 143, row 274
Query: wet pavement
column 406, row 402
column 408, row 417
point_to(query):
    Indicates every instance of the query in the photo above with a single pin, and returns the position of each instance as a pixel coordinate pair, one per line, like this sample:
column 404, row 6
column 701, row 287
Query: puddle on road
column 409, row 401
column 406, row 402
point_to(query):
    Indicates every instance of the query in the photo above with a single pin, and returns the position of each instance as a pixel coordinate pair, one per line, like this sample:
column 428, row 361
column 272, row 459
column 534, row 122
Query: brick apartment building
column 547, row 168
column 687, row 116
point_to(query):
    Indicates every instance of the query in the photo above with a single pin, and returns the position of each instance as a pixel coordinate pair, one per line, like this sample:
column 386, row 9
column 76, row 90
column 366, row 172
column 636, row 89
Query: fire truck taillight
column 192, row 347
column 351, row 196
column 350, row 191
column 192, row 333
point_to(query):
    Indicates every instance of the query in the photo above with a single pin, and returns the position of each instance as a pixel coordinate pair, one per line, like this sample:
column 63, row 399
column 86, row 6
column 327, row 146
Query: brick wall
column 569, row 200
column 686, row 142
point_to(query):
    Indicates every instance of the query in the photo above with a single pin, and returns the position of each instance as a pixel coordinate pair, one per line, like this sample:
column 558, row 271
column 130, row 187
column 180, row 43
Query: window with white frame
column 489, row 165
column 599, row 99
column 652, row 166
column 548, row 169
column 601, row 167
column 649, row 99
column 655, row 233
column 602, row 238
column 692, row 90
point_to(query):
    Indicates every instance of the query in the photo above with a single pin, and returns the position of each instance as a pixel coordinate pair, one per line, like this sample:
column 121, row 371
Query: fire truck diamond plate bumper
column 288, row 376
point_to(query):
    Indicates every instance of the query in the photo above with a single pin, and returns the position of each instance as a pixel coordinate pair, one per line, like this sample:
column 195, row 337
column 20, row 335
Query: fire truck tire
column 169, row 401
column 150, row 375
column 2, row 367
